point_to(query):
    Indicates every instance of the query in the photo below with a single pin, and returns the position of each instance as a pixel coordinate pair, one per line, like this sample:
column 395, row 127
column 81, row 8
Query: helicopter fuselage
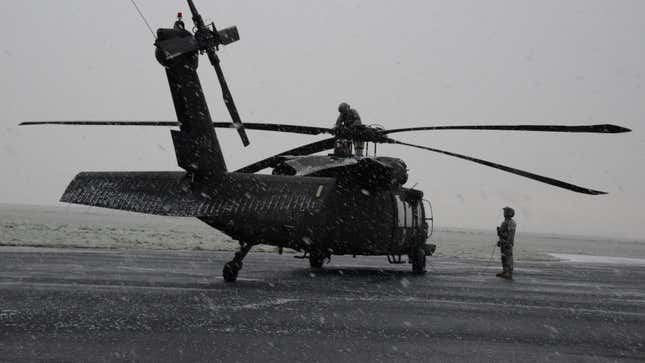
column 358, row 208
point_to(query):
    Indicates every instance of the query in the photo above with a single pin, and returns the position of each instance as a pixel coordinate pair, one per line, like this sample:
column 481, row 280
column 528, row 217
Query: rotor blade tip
column 592, row 192
column 244, row 137
column 615, row 129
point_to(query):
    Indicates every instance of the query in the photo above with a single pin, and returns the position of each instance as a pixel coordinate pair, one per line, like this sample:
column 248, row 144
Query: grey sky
column 399, row 63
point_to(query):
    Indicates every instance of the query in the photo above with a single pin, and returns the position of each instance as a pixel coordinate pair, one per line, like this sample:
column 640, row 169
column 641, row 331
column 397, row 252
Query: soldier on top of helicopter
column 179, row 24
column 349, row 118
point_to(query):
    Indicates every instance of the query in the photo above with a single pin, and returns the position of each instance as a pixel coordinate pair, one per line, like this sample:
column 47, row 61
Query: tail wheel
column 230, row 271
column 419, row 261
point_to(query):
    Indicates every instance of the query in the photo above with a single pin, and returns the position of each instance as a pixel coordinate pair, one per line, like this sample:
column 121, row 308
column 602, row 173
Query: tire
column 316, row 260
column 230, row 272
column 419, row 262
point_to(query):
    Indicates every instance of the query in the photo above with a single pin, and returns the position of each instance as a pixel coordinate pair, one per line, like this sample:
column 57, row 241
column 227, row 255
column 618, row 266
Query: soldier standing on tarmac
column 506, row 234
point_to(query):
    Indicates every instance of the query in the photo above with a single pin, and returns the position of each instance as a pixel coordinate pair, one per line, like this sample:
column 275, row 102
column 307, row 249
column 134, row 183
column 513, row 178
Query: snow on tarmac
column 600, row 259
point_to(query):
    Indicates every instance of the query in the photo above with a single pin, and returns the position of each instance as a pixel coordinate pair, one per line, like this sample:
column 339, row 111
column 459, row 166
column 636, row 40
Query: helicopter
column 342, row 203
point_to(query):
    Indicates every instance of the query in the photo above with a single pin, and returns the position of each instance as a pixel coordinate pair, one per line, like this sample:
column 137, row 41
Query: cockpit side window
column 400, row 211
column 408, row 215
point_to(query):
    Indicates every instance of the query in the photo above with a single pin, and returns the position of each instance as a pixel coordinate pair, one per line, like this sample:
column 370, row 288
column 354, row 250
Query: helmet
column 509, row 212
column 343, row 107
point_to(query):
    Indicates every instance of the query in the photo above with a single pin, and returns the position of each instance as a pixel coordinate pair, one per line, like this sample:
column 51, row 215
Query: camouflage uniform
column 506, row 234
column 349, row 118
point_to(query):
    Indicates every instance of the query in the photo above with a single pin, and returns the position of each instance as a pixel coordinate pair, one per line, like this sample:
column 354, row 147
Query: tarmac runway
column 145, row 305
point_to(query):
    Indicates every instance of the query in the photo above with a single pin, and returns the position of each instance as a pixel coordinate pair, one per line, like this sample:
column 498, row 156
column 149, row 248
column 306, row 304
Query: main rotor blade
column 102, row 123
column 296, row 129
column 526, row 174
column 308, row 149
column 228, row 98
column 603, row 129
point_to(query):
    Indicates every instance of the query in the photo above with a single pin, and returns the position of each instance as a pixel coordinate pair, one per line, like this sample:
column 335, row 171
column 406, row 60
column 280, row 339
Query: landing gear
column 232, row 268
column 316, row 259
column 230, row 271
column 418, row 260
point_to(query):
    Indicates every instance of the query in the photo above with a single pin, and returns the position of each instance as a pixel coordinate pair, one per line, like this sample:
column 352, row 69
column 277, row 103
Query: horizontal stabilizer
column 235, row 196
column 161, row 193
column 228, row 35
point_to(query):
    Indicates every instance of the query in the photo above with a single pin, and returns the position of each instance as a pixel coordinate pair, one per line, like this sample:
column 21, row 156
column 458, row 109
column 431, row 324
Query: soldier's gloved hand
column 499, row 243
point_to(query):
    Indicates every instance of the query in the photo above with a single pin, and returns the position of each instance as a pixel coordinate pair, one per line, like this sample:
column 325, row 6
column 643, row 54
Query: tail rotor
column 207, row 40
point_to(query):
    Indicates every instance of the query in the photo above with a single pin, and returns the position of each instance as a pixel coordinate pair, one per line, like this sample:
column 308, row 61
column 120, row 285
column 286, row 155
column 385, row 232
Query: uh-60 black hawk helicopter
column 321, row 205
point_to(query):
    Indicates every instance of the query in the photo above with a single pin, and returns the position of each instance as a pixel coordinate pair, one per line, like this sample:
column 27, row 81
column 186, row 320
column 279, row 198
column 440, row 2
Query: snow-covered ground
column 600, row 259
column 86, row 227
column 74, row 226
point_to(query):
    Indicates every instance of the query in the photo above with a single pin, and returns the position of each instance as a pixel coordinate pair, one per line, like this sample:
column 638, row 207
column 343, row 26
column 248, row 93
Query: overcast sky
column 399, row 63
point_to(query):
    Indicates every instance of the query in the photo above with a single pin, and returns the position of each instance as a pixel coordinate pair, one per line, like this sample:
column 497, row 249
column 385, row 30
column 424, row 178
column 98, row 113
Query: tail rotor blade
column 526, row 174
column 209, row 41
column 228, row 98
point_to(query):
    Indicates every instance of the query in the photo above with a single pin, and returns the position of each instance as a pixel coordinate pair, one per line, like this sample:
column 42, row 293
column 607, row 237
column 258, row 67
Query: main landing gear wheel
column 316, row 260
column 419, row 261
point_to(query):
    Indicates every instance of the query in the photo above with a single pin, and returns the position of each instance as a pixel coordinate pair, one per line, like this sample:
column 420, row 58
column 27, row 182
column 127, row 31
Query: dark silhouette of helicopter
column 321, row 205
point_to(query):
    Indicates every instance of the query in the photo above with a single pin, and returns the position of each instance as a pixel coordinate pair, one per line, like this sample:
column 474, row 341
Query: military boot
column 507, row 275
column 500, row 274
